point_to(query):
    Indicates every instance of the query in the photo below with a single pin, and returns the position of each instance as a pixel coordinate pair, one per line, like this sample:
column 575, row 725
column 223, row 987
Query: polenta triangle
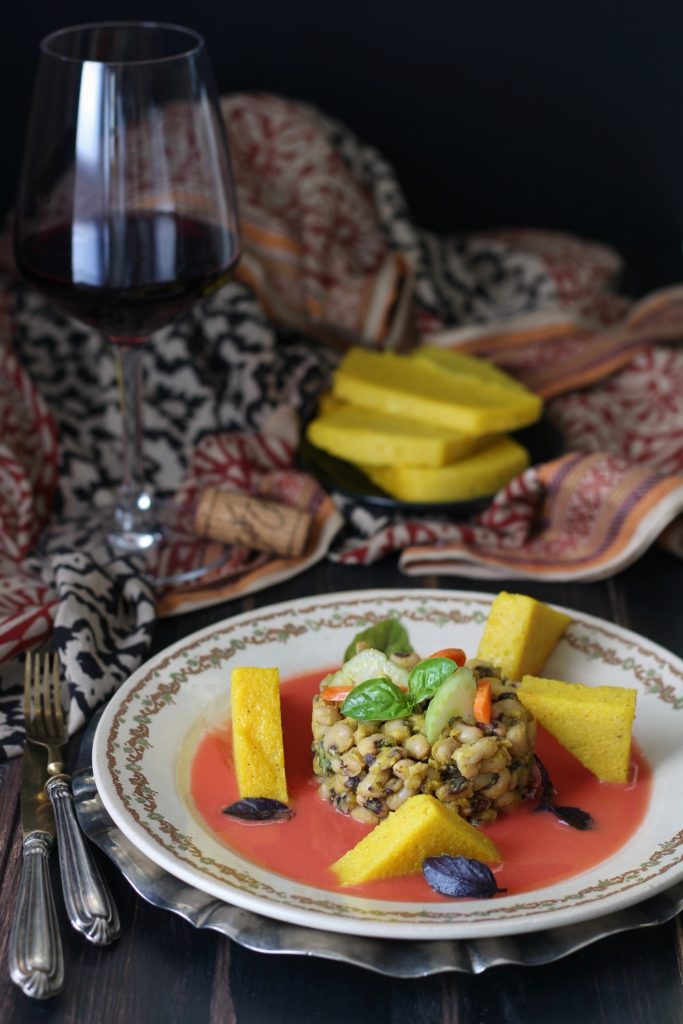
column 593, row 723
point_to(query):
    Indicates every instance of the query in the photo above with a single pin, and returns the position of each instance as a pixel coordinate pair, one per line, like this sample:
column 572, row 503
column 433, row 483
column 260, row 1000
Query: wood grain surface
column 164, row 970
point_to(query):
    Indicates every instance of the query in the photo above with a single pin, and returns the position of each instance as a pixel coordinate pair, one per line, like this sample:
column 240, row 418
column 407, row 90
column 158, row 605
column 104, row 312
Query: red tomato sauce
column 537, row 849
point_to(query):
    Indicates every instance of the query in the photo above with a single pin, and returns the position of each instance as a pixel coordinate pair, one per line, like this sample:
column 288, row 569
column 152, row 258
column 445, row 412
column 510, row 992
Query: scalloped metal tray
column 396, row 958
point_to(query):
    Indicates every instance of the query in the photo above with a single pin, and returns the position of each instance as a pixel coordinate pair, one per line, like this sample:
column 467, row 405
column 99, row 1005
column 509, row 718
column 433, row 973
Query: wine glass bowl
column 126, row 211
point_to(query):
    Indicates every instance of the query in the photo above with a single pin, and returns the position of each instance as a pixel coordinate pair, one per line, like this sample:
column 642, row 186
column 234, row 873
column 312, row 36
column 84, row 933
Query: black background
column 494, row 112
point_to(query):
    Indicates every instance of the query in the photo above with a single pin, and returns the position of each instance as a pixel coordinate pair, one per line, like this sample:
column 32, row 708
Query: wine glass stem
column 136, row 526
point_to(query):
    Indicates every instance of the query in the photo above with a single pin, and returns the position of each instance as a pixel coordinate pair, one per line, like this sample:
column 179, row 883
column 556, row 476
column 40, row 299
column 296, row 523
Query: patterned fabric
column 554, row 355
column 581, row 517
column 330, row 255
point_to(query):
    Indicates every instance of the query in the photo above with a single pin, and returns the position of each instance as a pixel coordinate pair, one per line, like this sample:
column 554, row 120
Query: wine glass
column 126, row 210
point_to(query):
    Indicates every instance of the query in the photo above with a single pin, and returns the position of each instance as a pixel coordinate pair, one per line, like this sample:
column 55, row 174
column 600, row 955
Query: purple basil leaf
column 547, row 788
column 259, row 808
column 460, row 876
column 572, row 816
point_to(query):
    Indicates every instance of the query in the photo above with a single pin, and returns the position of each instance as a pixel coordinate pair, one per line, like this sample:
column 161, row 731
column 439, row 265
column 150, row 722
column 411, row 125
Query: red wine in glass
column 163, row 261
column 126, row 212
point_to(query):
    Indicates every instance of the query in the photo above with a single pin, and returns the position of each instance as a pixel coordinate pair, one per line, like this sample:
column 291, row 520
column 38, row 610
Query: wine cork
column 254, row 522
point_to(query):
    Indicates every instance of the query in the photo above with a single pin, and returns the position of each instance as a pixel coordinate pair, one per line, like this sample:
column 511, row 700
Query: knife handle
column 88, row 902
column 36, row 961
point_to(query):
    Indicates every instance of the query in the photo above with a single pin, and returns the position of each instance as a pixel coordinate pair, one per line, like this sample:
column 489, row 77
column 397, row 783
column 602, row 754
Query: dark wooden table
column 162, row 969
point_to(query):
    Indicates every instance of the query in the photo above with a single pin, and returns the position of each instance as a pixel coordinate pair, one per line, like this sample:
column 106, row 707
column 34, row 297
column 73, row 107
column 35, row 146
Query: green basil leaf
column 388, row 636
column 427, row 677
column 376, row 700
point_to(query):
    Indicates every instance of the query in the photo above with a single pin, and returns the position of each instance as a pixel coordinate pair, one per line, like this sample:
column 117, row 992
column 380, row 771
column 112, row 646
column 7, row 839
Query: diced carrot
column 336, row 694
column 454, row 653
column 482, row 701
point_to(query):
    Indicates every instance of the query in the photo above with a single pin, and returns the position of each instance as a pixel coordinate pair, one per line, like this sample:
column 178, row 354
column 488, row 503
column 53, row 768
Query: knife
column 36, row 959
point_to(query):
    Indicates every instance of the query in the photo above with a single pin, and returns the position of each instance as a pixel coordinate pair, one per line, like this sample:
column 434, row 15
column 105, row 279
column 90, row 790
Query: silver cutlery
column 36, row 961
column 88, row 902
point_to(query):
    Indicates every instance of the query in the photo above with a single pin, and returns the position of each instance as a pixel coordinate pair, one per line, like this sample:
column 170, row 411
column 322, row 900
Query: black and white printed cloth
column 224, row 366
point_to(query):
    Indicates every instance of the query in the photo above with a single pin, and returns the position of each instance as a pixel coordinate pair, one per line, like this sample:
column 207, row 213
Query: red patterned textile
column 330, row 252
column 580, row 517
column 312, row 247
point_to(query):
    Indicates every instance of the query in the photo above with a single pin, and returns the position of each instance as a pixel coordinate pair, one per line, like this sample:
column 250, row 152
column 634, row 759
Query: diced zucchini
column 453, row 699
column 369, row 664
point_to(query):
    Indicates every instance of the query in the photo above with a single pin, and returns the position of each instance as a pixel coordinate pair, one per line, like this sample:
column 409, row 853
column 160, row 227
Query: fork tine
column 44, row 677
column 28, row 714
column 57, row 704
column 48, row 701
column 38, row 701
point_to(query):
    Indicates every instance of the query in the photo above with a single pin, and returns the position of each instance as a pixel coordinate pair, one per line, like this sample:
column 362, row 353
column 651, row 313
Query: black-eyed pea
column 468, row 758
column 482, row 780
column 369, row 746
column 484, row 817
column 397, row 730
column 417, row 722
column 362, row 814
column 517, row 738
column 443, row 750
column 387, row 758
column 325, row 714
column 446, row 794
column 466, row 733
column 364, row 729
column 506, row 801
column 417, row 776
column 378, row 806
column 508, row 707
column 339, row 738
column 352, row 763
column 501, row 759
column 500, row 785
column 413, row 773
column 339, row 784
column 418, row 747
column 402, row 767
column 396, row 799
column 372, row 786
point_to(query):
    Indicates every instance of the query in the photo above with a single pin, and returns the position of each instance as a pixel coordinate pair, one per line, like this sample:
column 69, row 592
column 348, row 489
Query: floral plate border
column 137, row 742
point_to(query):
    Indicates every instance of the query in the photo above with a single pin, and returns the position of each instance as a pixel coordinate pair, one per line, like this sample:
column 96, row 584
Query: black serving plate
column 542, row 440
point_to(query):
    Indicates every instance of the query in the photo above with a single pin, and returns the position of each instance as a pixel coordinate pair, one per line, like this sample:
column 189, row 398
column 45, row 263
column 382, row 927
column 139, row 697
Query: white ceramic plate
column 143, row 729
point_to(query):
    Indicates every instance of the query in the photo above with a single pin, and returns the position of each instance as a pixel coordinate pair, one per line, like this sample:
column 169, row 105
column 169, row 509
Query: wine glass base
column 156, row 535
column 133, row 542
column 167, row 555
column 135, row 524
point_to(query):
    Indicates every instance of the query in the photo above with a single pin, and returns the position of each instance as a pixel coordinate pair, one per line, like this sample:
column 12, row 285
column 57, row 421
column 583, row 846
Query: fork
column 88, row 902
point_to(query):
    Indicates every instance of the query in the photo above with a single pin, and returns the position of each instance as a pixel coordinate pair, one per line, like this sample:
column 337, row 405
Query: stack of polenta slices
column 429, row 426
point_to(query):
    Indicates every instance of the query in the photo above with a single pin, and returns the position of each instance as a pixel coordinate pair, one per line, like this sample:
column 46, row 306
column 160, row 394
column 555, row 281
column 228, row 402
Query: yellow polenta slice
column 520, row 634
column 474, row 476
column 257, row 733
column 465, row 365
column 327, row 403
column 594, row 723
column 408, row 387
column 421, row 827
column 360, row 435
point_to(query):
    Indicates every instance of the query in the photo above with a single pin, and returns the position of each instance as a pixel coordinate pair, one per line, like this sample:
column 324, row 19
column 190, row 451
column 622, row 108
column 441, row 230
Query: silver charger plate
column 396, row 958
